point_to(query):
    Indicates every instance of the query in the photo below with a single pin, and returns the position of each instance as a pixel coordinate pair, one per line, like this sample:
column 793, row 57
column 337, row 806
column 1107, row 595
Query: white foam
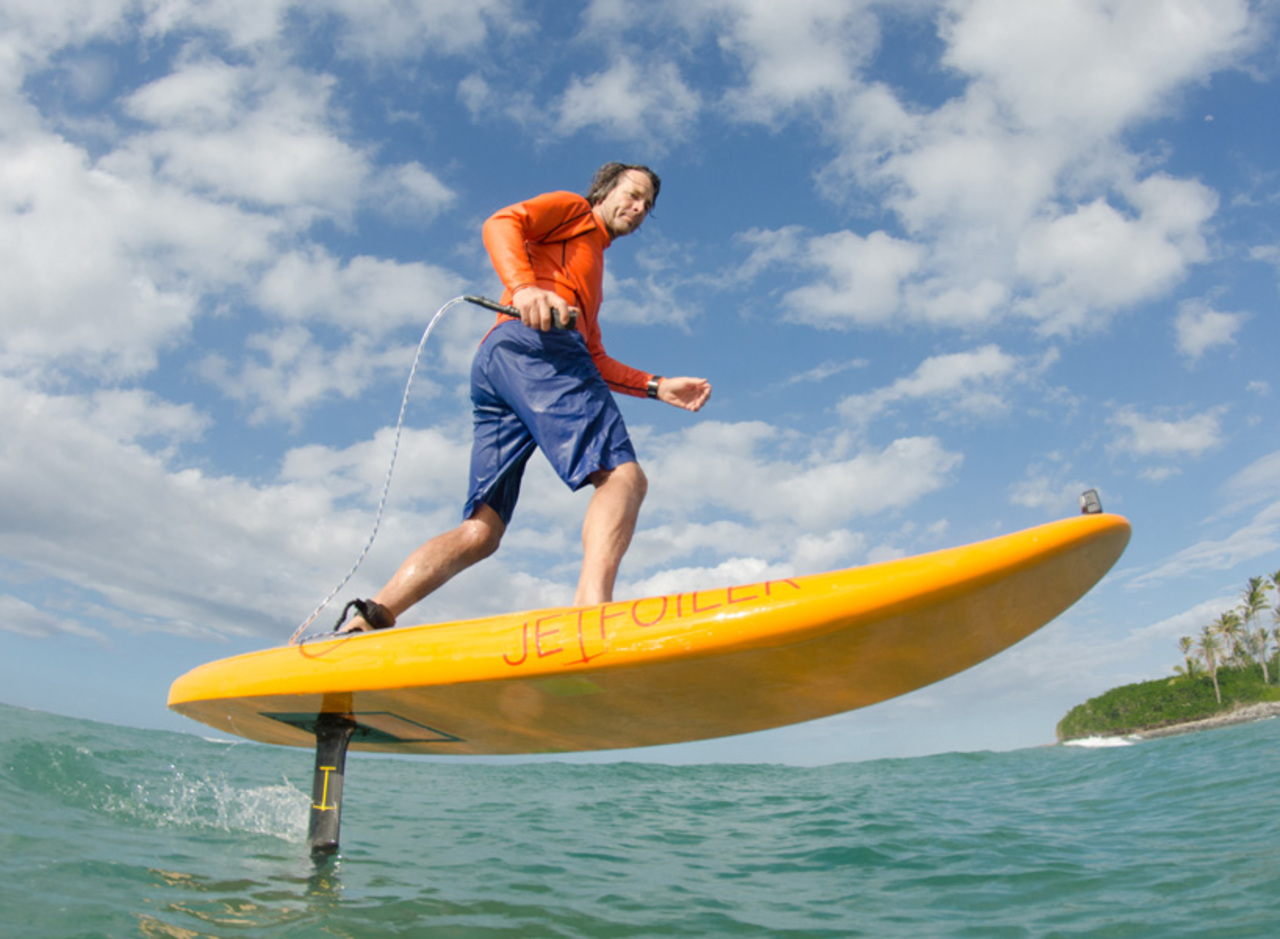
column 1099, row 743
column 210, row 800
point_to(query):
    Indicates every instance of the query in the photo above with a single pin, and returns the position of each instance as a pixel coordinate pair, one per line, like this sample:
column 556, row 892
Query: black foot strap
column 374, row 613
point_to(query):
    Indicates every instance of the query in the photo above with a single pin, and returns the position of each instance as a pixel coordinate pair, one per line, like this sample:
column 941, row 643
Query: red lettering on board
column 540, row 634
column 605, row 617
column 543, row 636
column 582, row 637
column 702, row 609
column 635, row 614
column 524, row 647
column 768, row 586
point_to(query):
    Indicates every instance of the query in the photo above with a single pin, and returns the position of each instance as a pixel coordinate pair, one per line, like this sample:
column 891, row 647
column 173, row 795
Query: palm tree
column 1252, row 602
column 1210, row 649
column 1190, row 667
column 1227, row 626
column 1275, row 635
column 1273, row 583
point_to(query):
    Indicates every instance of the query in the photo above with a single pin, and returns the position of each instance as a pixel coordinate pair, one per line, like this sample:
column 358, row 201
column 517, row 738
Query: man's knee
column 482, row 532
column 626, row 475
column 641, row 481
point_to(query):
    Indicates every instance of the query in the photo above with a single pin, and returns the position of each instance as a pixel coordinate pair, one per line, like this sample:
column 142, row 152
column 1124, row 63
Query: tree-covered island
column 1229, row 672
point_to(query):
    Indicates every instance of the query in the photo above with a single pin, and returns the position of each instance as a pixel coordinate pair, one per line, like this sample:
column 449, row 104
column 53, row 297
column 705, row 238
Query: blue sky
column 947, row 264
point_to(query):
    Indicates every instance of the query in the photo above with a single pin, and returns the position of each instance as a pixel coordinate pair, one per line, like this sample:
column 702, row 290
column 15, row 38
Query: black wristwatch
column 651, row 389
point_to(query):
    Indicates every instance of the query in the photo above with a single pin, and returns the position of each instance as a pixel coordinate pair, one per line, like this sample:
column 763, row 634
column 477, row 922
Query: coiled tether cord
column 300, row 634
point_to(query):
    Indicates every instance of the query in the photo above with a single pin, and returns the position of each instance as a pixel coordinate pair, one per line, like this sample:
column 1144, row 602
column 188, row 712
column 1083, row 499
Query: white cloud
column 518, row 105
column 1141, row 436
column 1089, row 66
column 1199, row 328
column 169, row 547
column 1097, row 259
column 746, row 470
column 769, row 247
column 647, row 103
column 242, row 22
column 105, row 268
column 1021, row 185
column 132, row 533
column 861, row 279
column 361, row 293
column 795, row 54
column 1187, row 623
column 412, row 191
column 107, row 263
column 380, row 29
column 1268, row 254
column 1258, row 539
column 334, row 340
column 654, row 299
column 30, row 30
column 825, row 370
column 262, row 135
column 973, row 383
column 285, row 373
column 956, row 173
column 728, row 573
column 369, row 29
column 19, row 617
column 942, row 301
column 1050, row 495
column 1257, row 482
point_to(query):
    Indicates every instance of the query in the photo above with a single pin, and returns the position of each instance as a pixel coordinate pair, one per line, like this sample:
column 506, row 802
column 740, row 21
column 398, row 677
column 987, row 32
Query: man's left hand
column 688, row 393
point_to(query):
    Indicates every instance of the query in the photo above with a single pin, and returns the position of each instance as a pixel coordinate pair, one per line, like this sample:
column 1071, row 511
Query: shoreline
column 1240, row 715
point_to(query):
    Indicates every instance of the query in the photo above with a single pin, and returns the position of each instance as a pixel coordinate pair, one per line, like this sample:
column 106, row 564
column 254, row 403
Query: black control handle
column 558, row 321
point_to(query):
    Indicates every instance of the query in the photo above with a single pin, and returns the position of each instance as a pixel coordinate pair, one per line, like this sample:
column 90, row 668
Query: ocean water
column 116, row 832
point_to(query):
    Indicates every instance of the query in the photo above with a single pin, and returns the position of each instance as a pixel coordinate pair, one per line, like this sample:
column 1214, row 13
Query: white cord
column 299, row 633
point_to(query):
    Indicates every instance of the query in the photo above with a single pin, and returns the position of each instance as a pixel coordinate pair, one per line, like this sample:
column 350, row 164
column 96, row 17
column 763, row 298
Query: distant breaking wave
column 1098, row 743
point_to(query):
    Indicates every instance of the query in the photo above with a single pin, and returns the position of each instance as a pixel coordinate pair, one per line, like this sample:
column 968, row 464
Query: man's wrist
column 651, row 389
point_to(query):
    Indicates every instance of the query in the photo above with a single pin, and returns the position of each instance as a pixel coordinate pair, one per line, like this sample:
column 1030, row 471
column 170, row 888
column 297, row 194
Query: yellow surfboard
column 660, row 670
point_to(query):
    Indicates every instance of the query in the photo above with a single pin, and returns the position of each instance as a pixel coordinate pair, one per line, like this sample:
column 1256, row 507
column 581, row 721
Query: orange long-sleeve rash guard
column 554, row 241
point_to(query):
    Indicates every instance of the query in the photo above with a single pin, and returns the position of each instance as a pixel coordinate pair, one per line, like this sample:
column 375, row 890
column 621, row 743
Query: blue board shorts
column 532, row 389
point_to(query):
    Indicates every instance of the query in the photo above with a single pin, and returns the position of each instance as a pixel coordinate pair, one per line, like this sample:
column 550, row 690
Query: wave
column 143, row 778
column 1100, row 743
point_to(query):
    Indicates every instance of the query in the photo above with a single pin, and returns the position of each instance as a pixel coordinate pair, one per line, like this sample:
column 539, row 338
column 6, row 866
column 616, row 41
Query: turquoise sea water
column 116, row 832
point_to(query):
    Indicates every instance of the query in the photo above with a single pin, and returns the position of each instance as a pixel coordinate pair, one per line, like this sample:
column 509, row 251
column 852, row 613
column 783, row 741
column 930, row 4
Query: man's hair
column 608, row 175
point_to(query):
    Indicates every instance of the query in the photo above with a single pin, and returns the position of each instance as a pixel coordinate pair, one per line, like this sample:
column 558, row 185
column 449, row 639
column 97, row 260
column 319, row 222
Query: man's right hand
column 538, row 308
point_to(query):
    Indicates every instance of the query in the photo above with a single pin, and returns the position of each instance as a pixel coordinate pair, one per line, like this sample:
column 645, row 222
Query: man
column 533, row 385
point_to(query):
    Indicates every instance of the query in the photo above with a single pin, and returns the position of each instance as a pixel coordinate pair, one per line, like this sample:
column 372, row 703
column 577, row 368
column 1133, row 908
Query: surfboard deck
column 661, row 670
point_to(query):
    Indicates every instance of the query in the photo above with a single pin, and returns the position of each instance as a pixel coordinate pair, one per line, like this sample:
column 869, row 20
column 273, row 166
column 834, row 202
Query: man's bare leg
column 607, row 530
column 436, row 562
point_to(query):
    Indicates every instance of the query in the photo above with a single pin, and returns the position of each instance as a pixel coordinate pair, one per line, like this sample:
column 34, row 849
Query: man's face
column 627, row 203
